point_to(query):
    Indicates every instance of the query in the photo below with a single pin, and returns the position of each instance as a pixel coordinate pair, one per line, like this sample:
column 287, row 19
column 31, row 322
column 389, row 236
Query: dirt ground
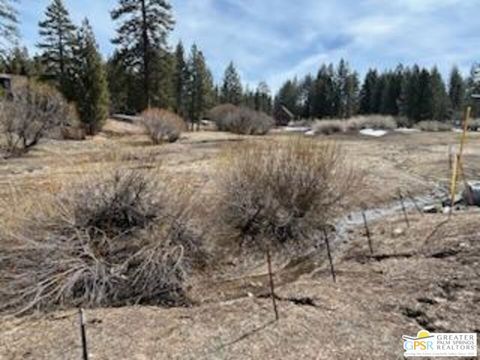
column 425, row 276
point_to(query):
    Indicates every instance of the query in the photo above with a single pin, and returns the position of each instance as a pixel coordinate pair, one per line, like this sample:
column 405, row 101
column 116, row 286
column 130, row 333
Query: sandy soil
column 423, row 276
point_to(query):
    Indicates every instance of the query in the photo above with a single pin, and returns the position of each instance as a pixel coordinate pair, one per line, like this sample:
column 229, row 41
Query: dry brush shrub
column 328, row 127
column 433, row 126
column 121, row 241
column 280, row 193
column 371, row 122
column 220, row 112
column 474, row 125
column 241, row 120
column 28, row 115
column 162, row 125
column 333, row 126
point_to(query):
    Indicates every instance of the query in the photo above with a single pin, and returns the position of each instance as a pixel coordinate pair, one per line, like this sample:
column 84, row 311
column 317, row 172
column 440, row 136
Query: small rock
column 398, row 232
column 430, row 209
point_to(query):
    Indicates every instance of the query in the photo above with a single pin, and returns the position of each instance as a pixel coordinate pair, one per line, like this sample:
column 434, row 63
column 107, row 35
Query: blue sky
column 273, row 40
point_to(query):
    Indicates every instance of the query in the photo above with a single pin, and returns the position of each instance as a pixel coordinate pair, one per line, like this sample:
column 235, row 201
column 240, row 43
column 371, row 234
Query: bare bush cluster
column 281, row 192
column 241, row 120
column 328, row 127
column 120, row 241
column 220, row 112
column 474, row 125
column 332, row 126
column 433, row 126
column 28, row 115
column 163, row 125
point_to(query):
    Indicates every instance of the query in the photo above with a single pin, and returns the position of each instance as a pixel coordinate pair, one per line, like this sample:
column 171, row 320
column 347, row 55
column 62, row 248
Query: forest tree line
column 146, row 71
column 414, row 93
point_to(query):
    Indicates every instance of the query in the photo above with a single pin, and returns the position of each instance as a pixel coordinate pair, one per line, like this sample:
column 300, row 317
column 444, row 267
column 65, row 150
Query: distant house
column 283, row 115
column 8, row 82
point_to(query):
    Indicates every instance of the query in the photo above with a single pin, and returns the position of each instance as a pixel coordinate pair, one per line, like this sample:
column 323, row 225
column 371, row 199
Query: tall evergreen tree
column 232, row 86
column 324, row 93
column 440, row 99
column 289, row 97
column 162, row 82
column 307, row 97
column 18, row 62
column 58, row 35
column 91, row 93
column 199, row 87
column 367, row 93
column 144, row 27
column 263, row 98
column 124, row 88
column 180, row 77
column 8, row 25
column 473, row 88
column 456, row 90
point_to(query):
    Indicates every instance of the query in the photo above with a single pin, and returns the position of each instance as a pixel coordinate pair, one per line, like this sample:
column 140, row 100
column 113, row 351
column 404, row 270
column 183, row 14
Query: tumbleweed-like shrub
column 246, row 122
column 281, row 192
column 433, row 126
column 30, row 114
column 124, row 240
column 162, row 125
column 220, row 112
column 379, row 122
column 328, row 127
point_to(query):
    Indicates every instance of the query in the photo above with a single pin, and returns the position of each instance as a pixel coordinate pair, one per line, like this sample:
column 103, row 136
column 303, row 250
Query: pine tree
column 289, row 97
column 8, row 25
column 352, row 95
column 58, row 35
column 424, row 103
column 91, row 93
column 367, row 92
column 232, row 86
column 324, row 93
column 123, row 86
column 143, row 31
column 341, row 77
column 440, row 99
column 473, row 88
column 456, row 91
column 18, row 62
column 179, row 80
column 307, row 95
column 263, row 98
column 199, row 87
column 161, row 80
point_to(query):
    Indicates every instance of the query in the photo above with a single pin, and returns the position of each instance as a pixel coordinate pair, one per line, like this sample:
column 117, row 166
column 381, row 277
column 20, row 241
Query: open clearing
column 418, row 278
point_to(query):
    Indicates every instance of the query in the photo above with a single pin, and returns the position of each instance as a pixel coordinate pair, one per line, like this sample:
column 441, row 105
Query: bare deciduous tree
column 29, row 114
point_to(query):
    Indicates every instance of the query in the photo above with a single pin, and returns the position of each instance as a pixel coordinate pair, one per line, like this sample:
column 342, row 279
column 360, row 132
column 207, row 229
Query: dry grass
column 433, row 126
column 163, row 125
column 277, row 192
column 122, row 239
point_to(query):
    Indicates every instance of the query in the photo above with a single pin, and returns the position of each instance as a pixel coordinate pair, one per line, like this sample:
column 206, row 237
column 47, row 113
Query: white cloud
column 275, row 39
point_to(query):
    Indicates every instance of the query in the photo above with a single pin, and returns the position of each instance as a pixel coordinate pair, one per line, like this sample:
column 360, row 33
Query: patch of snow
column 301, row 129
column 457, row 131
column 407, row 130
column 310, row 133
column 372, row 132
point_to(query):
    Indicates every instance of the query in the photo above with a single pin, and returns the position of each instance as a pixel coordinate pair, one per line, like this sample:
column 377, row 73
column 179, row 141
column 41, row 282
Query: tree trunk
column 146, row 55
